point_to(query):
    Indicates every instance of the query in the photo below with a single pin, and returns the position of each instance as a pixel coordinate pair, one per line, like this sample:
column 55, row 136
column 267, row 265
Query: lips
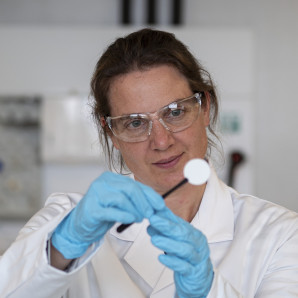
column 168, row 162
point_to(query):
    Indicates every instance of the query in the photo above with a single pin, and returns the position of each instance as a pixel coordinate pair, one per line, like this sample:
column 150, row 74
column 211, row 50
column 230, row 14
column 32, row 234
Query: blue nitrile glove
column 110, row 198
column 186, row 253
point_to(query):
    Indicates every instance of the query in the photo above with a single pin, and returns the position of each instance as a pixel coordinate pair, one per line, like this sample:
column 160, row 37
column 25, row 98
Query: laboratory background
column 48, row 50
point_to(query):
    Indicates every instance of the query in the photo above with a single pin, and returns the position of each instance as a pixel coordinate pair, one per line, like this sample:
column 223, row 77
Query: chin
column 169, row 181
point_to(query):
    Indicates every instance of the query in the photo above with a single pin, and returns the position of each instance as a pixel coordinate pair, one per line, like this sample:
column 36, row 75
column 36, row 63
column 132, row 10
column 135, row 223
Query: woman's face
column 158, row 161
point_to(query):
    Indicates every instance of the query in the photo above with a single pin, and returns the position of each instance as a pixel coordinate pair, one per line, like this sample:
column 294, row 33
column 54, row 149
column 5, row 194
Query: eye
column 176, row 113
column 135, row 123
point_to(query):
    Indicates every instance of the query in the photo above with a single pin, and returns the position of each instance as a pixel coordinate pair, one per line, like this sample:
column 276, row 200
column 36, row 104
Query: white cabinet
column 68, row 131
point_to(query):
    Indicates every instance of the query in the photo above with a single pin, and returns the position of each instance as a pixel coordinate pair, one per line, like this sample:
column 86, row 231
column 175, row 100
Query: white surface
column 68, row 132
column 197, row 171
column 62, row 59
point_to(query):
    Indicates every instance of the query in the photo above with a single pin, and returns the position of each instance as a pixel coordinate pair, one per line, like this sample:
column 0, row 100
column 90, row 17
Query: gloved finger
column 143, row 198
column 176, row 264
column 178, row 229
column 103, row 222
column 112, row 214
column 114, row 198
column 97, row 233
column 92, row 216
column 167, row 213
column 168, row 225
column 152, row 232
column 124, row 202
column 155, row 200
column 193, row 285
column 182, row 250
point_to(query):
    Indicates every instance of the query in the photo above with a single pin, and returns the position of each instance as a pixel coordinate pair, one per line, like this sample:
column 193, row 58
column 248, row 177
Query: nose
column 160, row 137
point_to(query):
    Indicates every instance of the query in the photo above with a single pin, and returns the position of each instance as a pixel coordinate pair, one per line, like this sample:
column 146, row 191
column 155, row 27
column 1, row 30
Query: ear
column 206, row 109
column 105, row 127
column 114, row 140
column 103, row 122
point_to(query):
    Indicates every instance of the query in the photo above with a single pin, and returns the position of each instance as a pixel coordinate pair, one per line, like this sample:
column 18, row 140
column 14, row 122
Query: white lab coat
column 253, row 246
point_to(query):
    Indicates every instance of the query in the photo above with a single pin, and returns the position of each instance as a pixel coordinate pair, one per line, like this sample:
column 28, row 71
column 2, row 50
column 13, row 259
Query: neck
column 185, row 201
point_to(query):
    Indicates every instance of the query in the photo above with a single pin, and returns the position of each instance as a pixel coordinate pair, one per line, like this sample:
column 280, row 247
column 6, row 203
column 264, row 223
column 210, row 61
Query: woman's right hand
column 110, row 198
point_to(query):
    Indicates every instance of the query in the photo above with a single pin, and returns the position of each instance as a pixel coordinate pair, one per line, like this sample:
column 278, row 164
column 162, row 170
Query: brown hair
column 140, row 50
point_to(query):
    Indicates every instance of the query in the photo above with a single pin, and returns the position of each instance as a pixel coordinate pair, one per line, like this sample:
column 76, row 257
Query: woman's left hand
column 186, row 253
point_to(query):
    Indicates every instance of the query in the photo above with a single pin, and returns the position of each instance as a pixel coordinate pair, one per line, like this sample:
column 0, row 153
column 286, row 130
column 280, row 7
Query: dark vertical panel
column 151, row 12
column 177, row 12
column 125, row 12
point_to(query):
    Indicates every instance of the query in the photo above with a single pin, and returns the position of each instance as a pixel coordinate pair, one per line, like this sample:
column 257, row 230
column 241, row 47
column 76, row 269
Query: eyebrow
column 146, row 113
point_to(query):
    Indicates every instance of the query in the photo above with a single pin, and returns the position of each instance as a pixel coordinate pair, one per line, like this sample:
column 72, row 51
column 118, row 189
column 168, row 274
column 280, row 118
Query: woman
column 156, row 108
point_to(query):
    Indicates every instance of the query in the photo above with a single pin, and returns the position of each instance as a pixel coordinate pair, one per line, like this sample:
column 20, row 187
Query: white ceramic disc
column 197, row 171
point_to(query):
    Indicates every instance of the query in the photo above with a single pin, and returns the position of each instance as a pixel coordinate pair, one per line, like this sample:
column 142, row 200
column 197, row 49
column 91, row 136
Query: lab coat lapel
column 215, row 217
column 143, row 258
column 166, row 279
column 113, row 280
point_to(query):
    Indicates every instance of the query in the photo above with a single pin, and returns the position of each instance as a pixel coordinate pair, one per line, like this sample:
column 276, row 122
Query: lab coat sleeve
column 281, row 277
column 278, row 279
column 24, row 267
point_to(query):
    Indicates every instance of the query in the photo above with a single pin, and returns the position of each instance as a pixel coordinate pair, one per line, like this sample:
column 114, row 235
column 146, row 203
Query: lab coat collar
column 215, row 219
column 142, row 248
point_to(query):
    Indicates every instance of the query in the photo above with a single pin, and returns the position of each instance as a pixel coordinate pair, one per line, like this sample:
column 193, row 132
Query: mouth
column 168, row 162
